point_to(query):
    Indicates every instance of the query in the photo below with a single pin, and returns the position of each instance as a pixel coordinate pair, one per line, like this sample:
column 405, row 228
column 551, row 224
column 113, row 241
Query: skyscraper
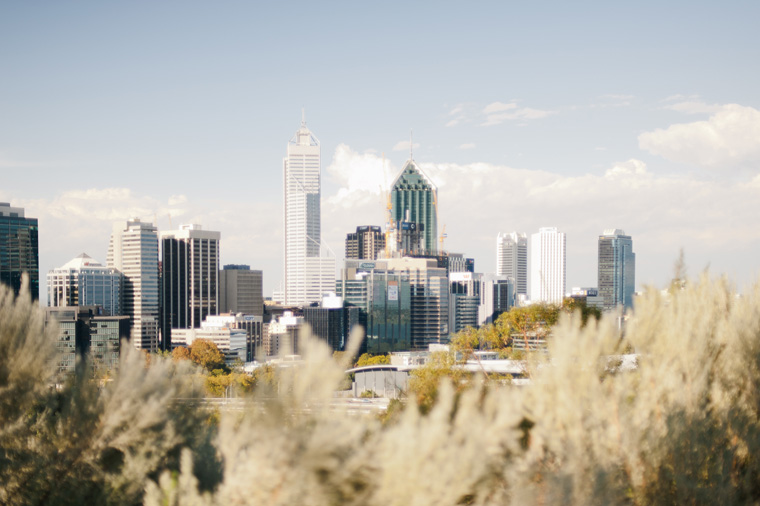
column 512, row 259
column 617, row 269
column 19, row 250
column 547, row 270
column 240, row 290
column 309, row 271
column 190, row 280
column 365, row 243
column 414, row 198
column 83, row 281
column 133, row 250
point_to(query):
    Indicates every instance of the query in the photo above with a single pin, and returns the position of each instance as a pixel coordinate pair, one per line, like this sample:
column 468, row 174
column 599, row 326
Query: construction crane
column 388, row 208
column 441, row 239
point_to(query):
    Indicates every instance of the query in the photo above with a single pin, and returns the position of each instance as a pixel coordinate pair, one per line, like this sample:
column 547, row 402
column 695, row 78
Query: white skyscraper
column 547, row 266
column 512, row 259
column 309, row 271
column 134, row 251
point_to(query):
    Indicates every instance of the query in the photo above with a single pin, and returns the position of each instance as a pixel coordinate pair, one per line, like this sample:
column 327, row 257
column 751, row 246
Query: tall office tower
column 512, row 259
column 547, row 270
column 617, row 269
column 414, row 199
column 240, row 290
column 365, row 243
column 83, row 281
column 133, row 250
column 190, row 281
column 19, row 250
column 464, row 300
column 309, row 272
column 497, row 296
column 478, row 299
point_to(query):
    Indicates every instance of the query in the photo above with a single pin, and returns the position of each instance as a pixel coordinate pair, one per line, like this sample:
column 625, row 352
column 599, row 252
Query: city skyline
column 555, row 120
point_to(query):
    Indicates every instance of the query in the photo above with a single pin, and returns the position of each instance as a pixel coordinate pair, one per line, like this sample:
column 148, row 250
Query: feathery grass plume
column 680, row 427
column 82, row 442
column 27, row 370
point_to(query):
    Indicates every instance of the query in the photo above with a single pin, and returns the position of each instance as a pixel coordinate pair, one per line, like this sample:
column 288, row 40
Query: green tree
column 425, row 381
column 466, row 342
column 535, row 321
column 207, row 355
column 572, row 304
column 367, row 359
column 217, row 382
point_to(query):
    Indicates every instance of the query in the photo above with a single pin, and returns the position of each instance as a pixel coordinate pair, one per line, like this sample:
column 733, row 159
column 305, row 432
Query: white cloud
column 498, row 112
column 467, row 145
column 78, row 221
column 498, row 107
column 457, row 115
column 694, row 107
column 730, row 138
column 404, row 146
column 359, row 176
column 478, row 200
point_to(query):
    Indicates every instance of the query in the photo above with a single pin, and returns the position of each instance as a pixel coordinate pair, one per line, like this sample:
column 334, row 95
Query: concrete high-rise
column 19, row 249
column 83, row 281
column 309, row 271
column 414, row 199
column 190, row 278
column 548, row 266
column 617, row 269
column 133, row 250
column 240, row 290
column 512, row 259
column 365, row 243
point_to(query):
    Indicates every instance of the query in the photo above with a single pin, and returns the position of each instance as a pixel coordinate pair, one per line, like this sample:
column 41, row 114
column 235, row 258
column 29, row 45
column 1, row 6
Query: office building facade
column 84, row 331
column 406, row 302
column 133, row 250
column 309, row 269
column 617, row 269
column 241, row 290
column 19, row 249
column 414, row 199
column 512, row 259
column 190, row 278
column 251, row 324
column 83, row 281
column 478, row 299
column 366, row 243
column 548, row 266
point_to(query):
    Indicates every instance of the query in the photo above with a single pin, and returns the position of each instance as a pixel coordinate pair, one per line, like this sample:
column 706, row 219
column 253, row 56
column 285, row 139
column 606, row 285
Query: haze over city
column 581, row 117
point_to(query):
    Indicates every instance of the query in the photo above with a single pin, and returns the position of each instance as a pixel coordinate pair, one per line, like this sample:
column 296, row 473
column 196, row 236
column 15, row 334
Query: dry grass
column 682, row 428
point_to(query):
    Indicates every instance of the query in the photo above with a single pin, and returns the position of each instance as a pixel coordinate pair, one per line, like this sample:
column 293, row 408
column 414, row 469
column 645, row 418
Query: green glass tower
column 19, row 250
column 414, row 193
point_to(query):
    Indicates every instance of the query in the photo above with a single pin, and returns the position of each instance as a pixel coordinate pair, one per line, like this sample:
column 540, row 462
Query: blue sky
column 583, row 116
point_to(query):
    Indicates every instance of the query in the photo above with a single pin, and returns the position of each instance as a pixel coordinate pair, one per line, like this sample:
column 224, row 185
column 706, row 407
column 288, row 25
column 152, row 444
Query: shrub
column 682, row 427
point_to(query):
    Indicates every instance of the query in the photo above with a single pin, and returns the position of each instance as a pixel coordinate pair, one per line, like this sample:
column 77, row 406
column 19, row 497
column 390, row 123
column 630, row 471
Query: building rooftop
column 81, row 261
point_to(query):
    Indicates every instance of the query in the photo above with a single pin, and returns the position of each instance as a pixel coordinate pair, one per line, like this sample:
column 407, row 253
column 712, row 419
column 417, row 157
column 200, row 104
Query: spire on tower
column 303, row 116
column 410, row 144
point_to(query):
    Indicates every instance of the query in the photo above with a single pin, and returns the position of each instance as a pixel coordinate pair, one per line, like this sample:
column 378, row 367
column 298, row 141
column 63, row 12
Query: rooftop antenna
column 303, row 116
column 410, row 144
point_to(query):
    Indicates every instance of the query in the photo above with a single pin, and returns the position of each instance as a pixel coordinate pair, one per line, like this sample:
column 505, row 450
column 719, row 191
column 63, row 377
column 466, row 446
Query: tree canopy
column 367, row 359
column 207, row 355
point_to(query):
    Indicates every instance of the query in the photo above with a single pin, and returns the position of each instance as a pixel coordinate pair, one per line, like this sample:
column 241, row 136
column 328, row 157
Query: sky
column 578, row 115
